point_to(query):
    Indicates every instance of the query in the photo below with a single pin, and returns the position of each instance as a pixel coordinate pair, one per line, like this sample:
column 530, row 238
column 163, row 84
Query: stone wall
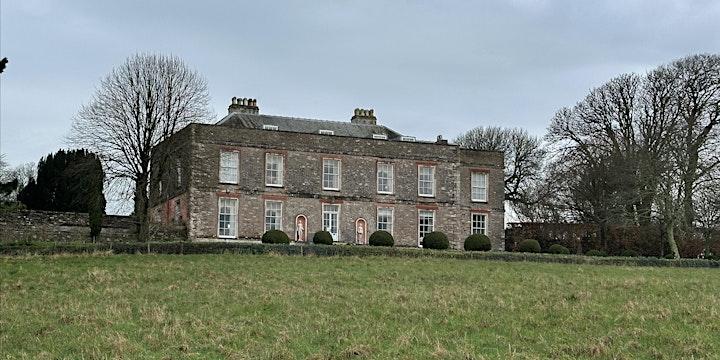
column 302, row 191
column 50, row 226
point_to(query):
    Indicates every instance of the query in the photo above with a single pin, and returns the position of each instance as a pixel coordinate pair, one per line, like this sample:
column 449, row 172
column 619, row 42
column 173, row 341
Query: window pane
column 426, row 222
column 273, row 215
column 229, row 167
column 479, row 186
column 274, row 169
column 426, row 180
column 331, row 174
column 227, row 217
column 478, row 223
column 385, row 219
column 385, row 181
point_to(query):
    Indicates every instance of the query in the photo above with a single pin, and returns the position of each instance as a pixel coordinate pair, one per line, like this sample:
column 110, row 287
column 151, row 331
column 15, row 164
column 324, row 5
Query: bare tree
column 524, row 159
column 138, row 105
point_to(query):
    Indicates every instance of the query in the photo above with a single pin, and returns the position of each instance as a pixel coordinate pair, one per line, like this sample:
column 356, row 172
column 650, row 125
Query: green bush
column 186, row 247
column 529, row 245
column 435, row 240
column 629, row 253
column 381, row 238
column 477, row 242
column 323, row 237
column 275, row 237
column 558, row 249
column 595, row 253
column 669, row 256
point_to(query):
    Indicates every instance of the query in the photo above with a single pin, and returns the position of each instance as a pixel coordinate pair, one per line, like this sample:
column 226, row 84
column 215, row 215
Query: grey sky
column 426, row 67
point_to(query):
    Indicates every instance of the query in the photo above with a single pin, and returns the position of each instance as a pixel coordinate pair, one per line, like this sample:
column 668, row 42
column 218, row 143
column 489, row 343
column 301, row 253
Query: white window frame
column 232, row 221
column 390, row 179
column 339, row 174
column 326, row 132
column 419, row 181
column 336, row 236
column 278, row 216
column 280, row 169
column 482, row 197
column 234, row 157
column 480, row 230
column 432, row 227
column 391, row 224
column 270, row 127
column 379, row 136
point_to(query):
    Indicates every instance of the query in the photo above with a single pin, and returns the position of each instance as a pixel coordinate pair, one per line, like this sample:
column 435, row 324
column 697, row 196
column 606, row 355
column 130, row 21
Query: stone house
column 251, row 172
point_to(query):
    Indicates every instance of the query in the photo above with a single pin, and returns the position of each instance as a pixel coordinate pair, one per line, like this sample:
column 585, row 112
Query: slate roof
column 309, row 126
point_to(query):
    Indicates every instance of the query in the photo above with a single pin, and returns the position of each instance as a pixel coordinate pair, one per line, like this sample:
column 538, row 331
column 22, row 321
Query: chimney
column 243, row 106
column 441, row 141
column 364, row 116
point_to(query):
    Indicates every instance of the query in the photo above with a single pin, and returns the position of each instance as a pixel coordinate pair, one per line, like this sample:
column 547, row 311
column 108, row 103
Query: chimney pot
column 243, row 106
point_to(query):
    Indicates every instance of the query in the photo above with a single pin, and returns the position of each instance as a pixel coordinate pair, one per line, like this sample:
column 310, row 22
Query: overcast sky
column 426, row 67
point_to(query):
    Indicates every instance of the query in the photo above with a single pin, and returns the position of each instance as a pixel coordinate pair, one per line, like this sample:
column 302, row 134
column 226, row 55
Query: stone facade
column 65, row 227
column 186, row 187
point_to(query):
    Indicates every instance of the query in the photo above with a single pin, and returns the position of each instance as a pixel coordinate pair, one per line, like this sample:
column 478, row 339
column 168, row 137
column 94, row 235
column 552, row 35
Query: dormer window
column 270, row 127
column 326, row 132
column 408, row 138
column 380, row 136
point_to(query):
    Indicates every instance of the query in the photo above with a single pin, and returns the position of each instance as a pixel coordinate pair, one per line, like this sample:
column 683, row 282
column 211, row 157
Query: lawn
column 271, row 306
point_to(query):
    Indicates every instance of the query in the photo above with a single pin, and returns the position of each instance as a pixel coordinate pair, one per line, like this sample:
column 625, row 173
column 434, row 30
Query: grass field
column 242, row 307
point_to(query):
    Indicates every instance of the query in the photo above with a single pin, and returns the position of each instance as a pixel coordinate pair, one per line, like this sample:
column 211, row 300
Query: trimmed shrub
column 529, row 245
column 596, row 253
column 670, row 256
column 381, row 238
column 629, row 253
column 15, row 249
column 275, row 237
column 477, row 242
column 558, row 249
column 435, row 240
column 323, row 237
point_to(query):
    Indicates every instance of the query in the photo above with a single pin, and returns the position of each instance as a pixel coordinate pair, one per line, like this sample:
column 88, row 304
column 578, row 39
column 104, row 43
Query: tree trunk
column 141, row 208
column 670, row 234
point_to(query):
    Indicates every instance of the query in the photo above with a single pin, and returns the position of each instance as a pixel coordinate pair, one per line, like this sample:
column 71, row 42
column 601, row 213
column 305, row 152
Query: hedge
column 339, row 250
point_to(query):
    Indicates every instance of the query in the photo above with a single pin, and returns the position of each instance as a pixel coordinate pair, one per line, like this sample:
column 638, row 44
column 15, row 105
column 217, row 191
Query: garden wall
column 64, row 227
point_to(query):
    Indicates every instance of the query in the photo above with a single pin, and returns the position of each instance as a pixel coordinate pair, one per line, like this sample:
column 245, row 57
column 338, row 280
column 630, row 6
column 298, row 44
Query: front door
column 331, row 213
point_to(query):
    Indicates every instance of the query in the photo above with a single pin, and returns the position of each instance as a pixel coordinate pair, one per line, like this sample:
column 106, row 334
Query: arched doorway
column 361, row 231
column 301, row 228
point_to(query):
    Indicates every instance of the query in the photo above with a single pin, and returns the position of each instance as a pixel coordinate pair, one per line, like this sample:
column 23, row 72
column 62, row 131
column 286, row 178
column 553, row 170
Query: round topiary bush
column 436, row 240
column 558, row 249
column 323, row 237
column 529, row 245
column 629, row 253
column 381, row 238
column 477, row 242
column 595, row 253
column 275, row 237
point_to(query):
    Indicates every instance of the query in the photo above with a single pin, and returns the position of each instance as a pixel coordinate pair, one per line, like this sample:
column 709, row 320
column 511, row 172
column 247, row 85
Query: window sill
column 273, row 185
column 385, row 193
column 426, row 196
column 479, row 201
column 227, row 237
column 329, row 189
column 227, row 183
